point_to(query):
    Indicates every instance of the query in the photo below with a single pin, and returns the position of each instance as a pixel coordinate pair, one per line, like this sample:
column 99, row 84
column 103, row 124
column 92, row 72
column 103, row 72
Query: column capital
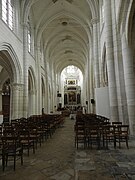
column 95, row 20
column 37, row 47
column 16, row 86
column 32, row 92
column 25, row 25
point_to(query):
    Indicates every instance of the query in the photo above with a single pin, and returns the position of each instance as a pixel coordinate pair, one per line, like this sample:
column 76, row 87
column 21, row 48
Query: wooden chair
column 1, row 134
column 80, row 136
column 116, row 123
column 108, row 135
column 26, row 141
column 3, row 149
column 92, row 135
column 12, row 148
column 122, row 134
column 35, row 135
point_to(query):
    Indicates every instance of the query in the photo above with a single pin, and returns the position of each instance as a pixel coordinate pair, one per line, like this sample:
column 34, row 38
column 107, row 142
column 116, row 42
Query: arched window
column 7, row 12
column 102, row 11
column 29, row 37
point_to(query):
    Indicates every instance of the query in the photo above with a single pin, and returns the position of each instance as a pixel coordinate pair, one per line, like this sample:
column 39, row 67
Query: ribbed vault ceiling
column 64, row 28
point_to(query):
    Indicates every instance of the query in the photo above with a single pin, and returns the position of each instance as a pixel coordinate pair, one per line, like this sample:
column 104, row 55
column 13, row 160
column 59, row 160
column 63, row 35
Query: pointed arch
column 125, row 17
column 32, row 78
column 10, row 62
column 130, row 22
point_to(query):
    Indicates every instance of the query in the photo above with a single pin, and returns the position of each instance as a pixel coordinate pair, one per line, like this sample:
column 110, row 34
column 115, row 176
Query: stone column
column 0, row 100
column 1, row 9
column 95, row 23
column 88, row 84
column 110, row 61
column 25, row 70
column 43, row 99
column 20, row 104
column 14, row 101
column 38, row 77
column 90, row 78
column 129, row 82
column 31, row 108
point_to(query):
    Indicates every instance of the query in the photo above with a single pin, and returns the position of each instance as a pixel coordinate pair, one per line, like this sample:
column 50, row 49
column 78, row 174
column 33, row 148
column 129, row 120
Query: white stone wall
column 122, row 56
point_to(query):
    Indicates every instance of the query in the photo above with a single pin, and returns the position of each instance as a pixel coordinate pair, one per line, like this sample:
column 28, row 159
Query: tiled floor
column 57, row 159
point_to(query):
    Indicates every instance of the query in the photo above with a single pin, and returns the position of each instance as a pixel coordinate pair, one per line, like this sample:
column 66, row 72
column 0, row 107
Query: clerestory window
column 29, row 41
column 7, row 12
column 29, row 35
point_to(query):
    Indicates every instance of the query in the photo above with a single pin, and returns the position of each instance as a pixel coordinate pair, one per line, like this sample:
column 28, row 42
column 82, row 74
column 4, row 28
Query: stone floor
column 57, row 159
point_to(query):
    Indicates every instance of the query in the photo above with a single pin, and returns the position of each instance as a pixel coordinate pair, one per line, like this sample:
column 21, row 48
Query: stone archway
column 10, row 70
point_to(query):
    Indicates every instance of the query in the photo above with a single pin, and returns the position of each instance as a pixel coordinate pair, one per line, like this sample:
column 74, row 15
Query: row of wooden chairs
column 26, row 133
column 100, row 132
